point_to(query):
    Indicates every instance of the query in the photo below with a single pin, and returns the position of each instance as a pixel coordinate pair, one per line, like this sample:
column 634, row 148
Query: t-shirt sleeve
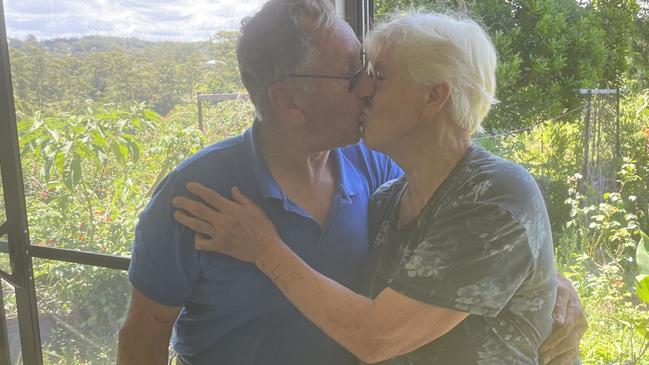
column 164, row 264
column 472, row 258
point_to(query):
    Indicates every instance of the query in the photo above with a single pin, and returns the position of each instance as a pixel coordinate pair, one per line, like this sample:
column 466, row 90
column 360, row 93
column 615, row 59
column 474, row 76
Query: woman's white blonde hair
column 435, row 48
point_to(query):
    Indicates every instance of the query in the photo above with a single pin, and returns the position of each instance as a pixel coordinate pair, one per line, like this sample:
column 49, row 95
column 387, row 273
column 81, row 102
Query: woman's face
column 396, row 107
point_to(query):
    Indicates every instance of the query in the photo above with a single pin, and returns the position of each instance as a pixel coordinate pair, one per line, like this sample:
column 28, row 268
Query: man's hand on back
column 562, row 347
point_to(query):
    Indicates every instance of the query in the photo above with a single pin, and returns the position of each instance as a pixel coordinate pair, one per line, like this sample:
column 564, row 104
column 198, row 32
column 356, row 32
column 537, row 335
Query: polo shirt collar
column 348, row 180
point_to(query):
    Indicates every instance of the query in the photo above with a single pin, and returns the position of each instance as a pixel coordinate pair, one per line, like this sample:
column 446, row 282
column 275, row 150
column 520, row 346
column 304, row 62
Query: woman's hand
column 237, row 228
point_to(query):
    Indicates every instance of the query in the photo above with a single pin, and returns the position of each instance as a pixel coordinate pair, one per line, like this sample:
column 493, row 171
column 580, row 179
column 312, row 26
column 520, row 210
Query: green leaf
column 59, row 162
column 640, row 277
column 643, row 329
column 151, row 115
column 133, row 147
column 642, row 290
column 120, row 152
column 24, row 125
column 108, row 115
column 76, row 171
column 47, row 169
column 642, row 254
column 98, row 140
column 72, row 174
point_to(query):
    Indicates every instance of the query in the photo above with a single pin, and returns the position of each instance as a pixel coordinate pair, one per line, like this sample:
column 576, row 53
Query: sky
column 155, row 20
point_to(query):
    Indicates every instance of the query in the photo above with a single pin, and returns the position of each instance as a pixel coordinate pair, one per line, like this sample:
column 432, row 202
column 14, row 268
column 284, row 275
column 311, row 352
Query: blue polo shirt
column 232, row 313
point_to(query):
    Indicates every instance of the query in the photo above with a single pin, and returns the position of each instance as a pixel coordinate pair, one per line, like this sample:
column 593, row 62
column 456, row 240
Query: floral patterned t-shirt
column 482, row 245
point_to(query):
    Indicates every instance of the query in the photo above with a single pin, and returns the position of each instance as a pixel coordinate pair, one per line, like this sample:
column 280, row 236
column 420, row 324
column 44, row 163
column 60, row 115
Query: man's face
column 332, row 111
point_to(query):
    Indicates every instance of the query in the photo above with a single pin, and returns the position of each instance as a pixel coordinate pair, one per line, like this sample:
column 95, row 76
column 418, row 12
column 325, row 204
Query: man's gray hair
column 436, row 47
column 278, row 41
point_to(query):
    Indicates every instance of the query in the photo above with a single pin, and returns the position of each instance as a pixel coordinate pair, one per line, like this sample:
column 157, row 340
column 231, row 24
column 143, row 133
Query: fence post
column 617, row 129
column 585, row 162
column 200, row 112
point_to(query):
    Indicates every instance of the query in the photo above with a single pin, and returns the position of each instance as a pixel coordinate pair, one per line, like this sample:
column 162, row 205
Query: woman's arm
column 372, row 329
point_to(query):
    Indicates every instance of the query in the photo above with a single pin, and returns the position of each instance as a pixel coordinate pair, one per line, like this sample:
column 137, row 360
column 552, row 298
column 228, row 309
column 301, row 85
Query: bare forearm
column 142, row 347
column 345, row 316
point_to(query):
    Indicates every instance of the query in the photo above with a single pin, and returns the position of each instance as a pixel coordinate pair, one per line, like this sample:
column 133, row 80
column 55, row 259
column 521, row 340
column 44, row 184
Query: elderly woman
column 463, row 270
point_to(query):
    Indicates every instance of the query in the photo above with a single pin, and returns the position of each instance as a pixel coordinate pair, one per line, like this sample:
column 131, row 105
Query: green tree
column 547, row 49
column 639, row 66
column 618, row 18
column 223, row 76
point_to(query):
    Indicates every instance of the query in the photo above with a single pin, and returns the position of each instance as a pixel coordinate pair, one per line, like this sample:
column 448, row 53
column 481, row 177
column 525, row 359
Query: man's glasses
column 353, row 79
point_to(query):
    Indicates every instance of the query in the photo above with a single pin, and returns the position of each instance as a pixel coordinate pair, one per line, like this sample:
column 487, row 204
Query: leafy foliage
column 88, row 173
column 609, row 229
column 618, row 324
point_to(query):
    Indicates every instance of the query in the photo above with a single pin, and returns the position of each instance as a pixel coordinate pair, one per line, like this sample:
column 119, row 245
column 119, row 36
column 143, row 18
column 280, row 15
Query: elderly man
column 301, row 67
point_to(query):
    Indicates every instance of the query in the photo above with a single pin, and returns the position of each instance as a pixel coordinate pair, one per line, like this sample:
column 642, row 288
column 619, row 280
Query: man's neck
column 306, row 177
column 290, row 157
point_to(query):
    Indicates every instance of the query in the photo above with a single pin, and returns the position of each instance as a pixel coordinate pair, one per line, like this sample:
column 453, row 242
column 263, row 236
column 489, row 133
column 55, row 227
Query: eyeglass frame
column 353, row 79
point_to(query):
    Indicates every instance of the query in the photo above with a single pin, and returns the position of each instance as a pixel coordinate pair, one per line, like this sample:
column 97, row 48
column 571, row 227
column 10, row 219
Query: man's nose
column 365, row 88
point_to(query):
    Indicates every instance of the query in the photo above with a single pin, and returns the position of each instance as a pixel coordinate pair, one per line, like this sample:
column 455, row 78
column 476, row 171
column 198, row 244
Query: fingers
column 200, row 217
column 580, row 330
column 561, row 306
column 564, row 294
column 196, row 208
column 241, row 198
column 567, row 358
column 557, row 340
column 193, row 223
column 206, row 243
column 566, row 336
column 562, row 351
column 562, row 347
column 211, row 197
column 576, row 314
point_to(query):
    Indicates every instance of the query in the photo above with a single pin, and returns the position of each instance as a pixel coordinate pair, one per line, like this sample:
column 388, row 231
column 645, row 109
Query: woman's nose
column 365, row 87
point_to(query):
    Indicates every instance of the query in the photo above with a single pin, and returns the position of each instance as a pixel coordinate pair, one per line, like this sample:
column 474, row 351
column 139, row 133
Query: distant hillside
column 61, row 74
column 94, row 44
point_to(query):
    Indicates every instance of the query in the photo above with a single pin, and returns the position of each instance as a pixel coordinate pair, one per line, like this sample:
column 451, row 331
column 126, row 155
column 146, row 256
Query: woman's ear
column 438, row 97
column 283, row 101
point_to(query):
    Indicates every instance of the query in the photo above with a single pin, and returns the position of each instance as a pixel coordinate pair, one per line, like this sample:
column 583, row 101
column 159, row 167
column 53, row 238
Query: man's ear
column 282, row 100
column 438, row 96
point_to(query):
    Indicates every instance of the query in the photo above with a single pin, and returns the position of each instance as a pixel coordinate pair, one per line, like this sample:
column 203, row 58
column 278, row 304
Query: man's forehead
column 340, row 43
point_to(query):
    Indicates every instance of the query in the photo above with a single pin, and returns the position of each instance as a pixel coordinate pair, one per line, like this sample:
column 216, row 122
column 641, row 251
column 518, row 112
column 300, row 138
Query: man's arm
column 144, row 336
